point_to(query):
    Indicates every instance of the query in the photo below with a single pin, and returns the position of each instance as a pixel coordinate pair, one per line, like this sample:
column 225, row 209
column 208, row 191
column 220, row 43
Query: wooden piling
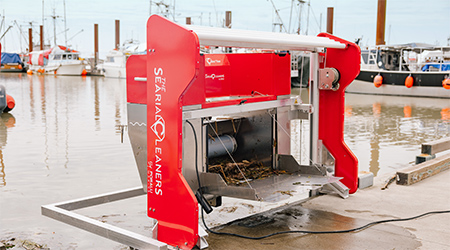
column 381, row 22
column 117, row 45
column 95, row 43
column 227, row 19
column 41, row 29
column 30, row 40
column 330, row 13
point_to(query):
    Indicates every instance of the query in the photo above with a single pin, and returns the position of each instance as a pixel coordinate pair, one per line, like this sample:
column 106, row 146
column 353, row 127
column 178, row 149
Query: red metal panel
column 195, row 92
column 255, row 72
column 331, row 110
column 244, row 74
column 136, row 90
column 282, row 74
column 173, row 59
column 217, row 75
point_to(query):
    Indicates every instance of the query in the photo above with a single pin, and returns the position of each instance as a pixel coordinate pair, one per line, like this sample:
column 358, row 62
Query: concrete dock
column 322, row 213
column 330, row 212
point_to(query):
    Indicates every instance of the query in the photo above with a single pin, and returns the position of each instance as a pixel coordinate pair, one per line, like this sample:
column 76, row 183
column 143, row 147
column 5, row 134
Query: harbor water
column 64, row 140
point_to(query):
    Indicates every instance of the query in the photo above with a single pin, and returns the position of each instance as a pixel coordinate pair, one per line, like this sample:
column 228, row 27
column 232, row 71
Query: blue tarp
column 10, row 58
column 444, row 66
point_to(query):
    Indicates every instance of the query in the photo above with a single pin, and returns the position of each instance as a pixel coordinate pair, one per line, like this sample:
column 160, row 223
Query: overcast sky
column 406, row 21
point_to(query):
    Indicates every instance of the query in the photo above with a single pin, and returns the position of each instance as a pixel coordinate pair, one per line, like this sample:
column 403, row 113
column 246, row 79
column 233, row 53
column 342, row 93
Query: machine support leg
column 314, row 100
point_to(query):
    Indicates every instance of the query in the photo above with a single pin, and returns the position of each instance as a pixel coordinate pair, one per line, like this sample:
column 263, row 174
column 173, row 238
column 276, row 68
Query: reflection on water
column 58, row 116
column 7, row 122
column 63, row 143
column 386, row 132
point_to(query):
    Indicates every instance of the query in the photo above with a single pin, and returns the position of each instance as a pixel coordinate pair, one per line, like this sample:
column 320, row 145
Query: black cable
column 196, row 156
column 199, row 194
column 294, row 231
column 321, row 232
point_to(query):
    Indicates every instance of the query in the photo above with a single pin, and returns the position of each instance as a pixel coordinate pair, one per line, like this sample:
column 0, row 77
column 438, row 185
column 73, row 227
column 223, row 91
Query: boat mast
column 65, row 23
column 290, row 16
column 54, row 27
column 279, row 18
column 173, row 13
column 300, row 5
column 41, row 29
column 42, row 12
column 54, row 16
column 307, row 17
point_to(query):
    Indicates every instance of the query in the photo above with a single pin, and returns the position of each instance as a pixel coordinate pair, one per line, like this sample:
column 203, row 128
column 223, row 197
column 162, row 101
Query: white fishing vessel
column 58, row 60
column 116, row 60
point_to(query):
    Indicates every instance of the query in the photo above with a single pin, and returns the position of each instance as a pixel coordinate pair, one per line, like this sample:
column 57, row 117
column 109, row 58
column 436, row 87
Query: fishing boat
column 11, row 62
column 58, row 60
column 414, row 69
column 116, row 59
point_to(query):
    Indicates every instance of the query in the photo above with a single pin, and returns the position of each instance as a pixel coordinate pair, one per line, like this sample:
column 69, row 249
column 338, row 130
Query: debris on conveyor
column 252, row 171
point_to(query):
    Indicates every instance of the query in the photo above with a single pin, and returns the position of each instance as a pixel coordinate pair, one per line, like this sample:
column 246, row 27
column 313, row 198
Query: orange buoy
column 409, row 81
column 10, row 103
column 29, row 72
column 446, row 83
column 378, row 80
column 84, row 72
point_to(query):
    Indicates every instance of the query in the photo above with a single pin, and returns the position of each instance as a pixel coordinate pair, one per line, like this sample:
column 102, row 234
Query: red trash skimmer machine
column 204, row 125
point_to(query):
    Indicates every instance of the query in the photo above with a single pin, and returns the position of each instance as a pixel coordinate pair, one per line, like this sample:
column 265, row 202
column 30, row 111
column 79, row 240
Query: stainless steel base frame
column 63, row 212
column 340, row 188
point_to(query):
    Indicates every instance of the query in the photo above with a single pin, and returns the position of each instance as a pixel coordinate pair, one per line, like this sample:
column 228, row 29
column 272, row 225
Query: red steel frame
column 331, row 110
column 177, row 75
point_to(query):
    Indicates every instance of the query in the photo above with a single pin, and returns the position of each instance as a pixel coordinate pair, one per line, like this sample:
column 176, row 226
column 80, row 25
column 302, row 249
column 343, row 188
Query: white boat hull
column 113, row 71
column 64, row 69
column 364, row 87
column 67, row 70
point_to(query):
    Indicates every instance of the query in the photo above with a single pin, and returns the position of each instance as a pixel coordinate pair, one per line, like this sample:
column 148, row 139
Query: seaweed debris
column 251, row 170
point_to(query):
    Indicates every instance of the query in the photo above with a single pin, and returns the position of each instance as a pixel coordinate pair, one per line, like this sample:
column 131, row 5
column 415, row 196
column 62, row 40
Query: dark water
column 63, row 141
